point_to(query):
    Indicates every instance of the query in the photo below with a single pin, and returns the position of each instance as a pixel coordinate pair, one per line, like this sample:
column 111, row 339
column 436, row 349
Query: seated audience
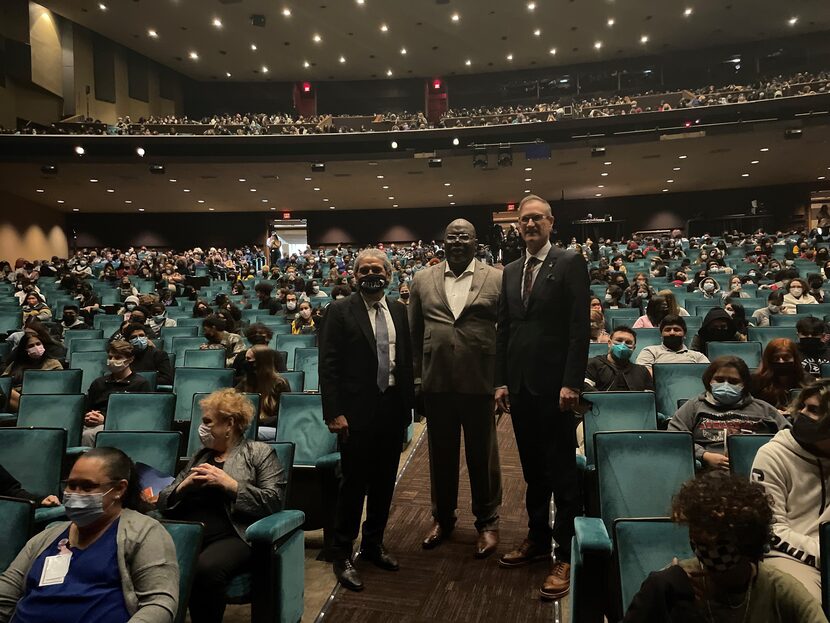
column 290, row 311
column 130, row 303
column 147, row 357
column 30, row 354
column 123, row 565
column 201, row 309
column 10, row 487
column 812, row 344
column 797, row 294
column 614, row 371
column 262, row 377
column 266, row 302
column 736, row 290
column 780, row 371
column 403, row 293
column 673, row 349
column 70, row 321
column 794, row 470
column 227, row 485
column 598, row 333
column 674, row 308
column 775, row 301
column 34, row 307
column 738, row 315
column 710, row 288
column 158, row 320
column 656, row 310
column 729, row 522
column 726, row 407
column 717, row 326
column 304, row 322
column 214, row 328
column 257, row 334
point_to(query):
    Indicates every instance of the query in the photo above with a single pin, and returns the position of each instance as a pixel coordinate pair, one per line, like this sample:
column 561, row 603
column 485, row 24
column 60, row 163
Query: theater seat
column 767, row 334
column 306, row 361
column 64, row 411
column 52, row 382
column 296, row 380
column 18, row 525
column 213, row 358
column 742, row 450
column 676, row 381
column 187, row 538
column 750, row 352
column 92, row 365
column 290, row 343
column 189, row 381
column 158, row 449
column 140, row 412
column 613, row 411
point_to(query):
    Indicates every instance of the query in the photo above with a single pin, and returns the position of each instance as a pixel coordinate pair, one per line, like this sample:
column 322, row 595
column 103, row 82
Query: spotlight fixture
column 80, row 150
column 217, row 23
column 318, row 167
column 793, row 133
column 455, row 142
column 597, row 152
column 480, row 160
column 394, row 144
column 505, row 156
column 152, row 34
column 435, row 163
column 49, row 169
column 157, row 169
column 140, row 151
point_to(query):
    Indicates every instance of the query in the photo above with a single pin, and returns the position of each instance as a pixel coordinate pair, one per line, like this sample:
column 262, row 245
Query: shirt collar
column 542, row 255
column 370, row 306
column 471, row 267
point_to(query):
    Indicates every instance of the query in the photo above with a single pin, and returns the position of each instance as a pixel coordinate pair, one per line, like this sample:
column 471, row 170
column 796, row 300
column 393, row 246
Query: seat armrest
column 581, row 462
column 274, row 527
column 327, row 461
column 164, row 388
column 591, row 536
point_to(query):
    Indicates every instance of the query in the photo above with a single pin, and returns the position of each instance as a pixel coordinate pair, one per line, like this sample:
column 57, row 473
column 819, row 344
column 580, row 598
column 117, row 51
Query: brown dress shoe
column 558, row 583
column 436, row 535
column 488, row 541
column 526, row 553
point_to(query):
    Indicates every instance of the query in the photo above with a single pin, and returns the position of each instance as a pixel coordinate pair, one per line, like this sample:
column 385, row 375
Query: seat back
column 646, row 337
column 673, row 381
column 158, row 449
column 629, row 313
column 786, row 320
column 187, row 537
column 301, row 422
column 750, row 352
column 305, row 361
column 213, row 358
column 644, row 546
column 178, row 346
column 193, row 441
column 290, row 343
column 766, row 334
column 19, row 446
column 151, row 376
column 87, row 346
column 92, row 365
column 81, row 334
column 52, row 382
column 140, row 412
column 5, row 392
column 296, row 380
column 742, row 450
column 18, row 523
column 107, row 324
column 639, row 472
column 64, row 411
column 285, row 455
column 189, row 381
column 617, row 411
column 816, row 309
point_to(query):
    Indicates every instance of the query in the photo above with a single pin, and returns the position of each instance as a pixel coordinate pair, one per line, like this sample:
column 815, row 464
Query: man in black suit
column 541, row 353
column 367, row 387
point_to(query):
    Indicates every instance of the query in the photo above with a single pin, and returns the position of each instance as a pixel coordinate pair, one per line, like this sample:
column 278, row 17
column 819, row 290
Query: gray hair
column 378, row 255
column 530, row 198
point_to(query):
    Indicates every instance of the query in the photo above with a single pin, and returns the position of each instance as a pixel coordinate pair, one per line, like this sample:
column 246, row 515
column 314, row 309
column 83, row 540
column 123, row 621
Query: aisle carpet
column 447, row 584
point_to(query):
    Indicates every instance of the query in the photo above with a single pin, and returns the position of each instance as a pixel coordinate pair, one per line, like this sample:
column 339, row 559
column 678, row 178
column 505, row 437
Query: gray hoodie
column 710, row 422
column 798, row 482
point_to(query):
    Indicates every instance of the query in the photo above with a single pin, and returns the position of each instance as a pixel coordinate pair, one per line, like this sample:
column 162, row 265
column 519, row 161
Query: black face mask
column 404, row 295
column 810, row 343
column 68, row 319
column 372, row 284
column 720, row 335
column 784, row 368
column 673, row 342
column 250, row 367
column 808, row 432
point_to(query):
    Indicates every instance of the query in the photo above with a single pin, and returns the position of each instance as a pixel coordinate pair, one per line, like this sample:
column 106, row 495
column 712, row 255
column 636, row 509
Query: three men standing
column 452, row 315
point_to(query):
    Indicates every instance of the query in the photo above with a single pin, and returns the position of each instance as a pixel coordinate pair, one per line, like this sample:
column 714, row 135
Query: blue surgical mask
column 159, row 318
column 139, row 343
column 621, row 352
column 727, row 393
column 84, row 508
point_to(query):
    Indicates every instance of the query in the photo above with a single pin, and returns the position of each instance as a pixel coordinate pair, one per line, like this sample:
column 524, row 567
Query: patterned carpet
column 447, row 584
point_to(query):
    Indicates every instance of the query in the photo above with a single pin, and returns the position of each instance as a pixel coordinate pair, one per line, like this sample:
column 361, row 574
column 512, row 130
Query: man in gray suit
column 452, row 315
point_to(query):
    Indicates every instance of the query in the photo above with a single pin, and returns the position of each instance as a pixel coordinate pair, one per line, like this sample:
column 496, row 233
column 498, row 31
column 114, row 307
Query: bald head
column 460, row 244
column 461, row 225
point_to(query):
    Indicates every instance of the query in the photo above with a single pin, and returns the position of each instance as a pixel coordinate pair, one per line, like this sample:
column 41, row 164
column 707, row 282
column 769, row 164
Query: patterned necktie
column 382, row 339
column 528, row 279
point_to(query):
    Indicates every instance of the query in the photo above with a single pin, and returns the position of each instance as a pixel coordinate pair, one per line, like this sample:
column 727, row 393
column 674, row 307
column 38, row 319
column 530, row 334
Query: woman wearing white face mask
column 304, row 322
column 798, row 293
column 120, row 380
column 30, row 354
column 227, row 485
column 109, row 562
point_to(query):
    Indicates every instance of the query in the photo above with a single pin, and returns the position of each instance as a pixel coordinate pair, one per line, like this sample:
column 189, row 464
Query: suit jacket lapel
column 438, row 280
column 479, row 275
column 544, row 271
column 361, row 315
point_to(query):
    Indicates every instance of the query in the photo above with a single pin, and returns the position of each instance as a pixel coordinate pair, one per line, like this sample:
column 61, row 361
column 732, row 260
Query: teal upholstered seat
column 178, row 346
column 742, row 450
column 41, row 477
column 306, row 360
column 750, row 352
column 52, row 382
column 87, row 346
column 611, row 411
column 158, row 449
column 81, row 334
column 140, row 412
column 64, row 411
column 824, row 547
column 787, row 320
column 644, row 546
column 766, row 334
column 189, row 381
column 290, row 343
column 676, row 381
column 18, row 523
column 595, row 349
column 151, row 376
column 630, row 314
column 213, row 358
column 816, row 309
column 5, row 392
column 92, row 365
column 187, row 537
column 296, row 380
column 107, row 324
column 193, row 442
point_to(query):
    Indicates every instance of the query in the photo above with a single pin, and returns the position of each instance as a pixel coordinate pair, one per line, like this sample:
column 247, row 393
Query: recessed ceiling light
column 394, row 205
column 821, row 177
column 527, row 190
column 264, row 200
column 455, row 17
column 509, row 57
column 597, row 45
column 389, row 72
column 676, row 169
column 253, row 190
column 140, row 151
column 447, row 183
column 450, row 195
column 171, row 180
column 528, row 179
column 80, row 150
column 61, row 201
column 607, row 163
column 306, row 64
column 110, row 190
column 687, row 12
column 552, row 51
column 669, row 181
column 194, row 55
column 684, row 157
column 127, row 201
column 598, row 195
column 744, row 174
column 152, row 33
column 528, row 168
column 227, row 74
column 531, row 6
column 792, row 21
column 644, row 39
column 765, row 149
column 361, row 2
column 76, row 209
column 286, row 12
column 755, row 162
column 604, row 174
column 394, row 144
column 242, row 179
column 265, row 69
column 600, row 185
column 211, row 209
column 380, row 177
column 217, row 22
column 611, row 21
column 273, row 208
column 317, row 38
column 537, row 32
column 390, row 198
column 102, row 6
column 187, row 190
column 385, row 187
column 325, row 199
column 342, row 59
column 93, row 180
column 332, row 208
column 452, row 203
column 40, row 190
column 468, row 62
column 665, row 190
column 403, row 51
column 200, row 201
column 455, row 142
column 307, row 179
column 316, row 188
column 253, row 47
column 384, row 28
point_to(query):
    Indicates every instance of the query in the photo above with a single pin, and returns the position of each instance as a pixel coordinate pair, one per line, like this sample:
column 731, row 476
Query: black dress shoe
column 380, row 558
column 347, row 575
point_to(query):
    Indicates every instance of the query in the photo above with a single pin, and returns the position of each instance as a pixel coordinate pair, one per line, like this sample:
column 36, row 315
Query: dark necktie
column 528, row 279
column 382, row 339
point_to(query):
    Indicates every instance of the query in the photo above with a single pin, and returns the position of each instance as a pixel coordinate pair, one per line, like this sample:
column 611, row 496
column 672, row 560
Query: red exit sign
column 286, row 216
column 511, row 207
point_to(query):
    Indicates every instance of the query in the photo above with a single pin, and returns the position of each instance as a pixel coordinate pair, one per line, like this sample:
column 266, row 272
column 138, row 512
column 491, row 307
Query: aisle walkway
column 447, row 584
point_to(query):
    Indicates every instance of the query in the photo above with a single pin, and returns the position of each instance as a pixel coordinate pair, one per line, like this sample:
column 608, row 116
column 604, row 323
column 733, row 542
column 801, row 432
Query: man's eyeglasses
column 458, row 238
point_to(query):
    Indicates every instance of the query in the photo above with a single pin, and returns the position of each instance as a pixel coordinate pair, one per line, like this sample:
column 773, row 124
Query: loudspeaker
column 258, row 20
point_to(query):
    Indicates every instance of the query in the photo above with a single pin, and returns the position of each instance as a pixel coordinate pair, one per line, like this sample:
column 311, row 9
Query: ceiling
column 492, row 35
column 711, row 162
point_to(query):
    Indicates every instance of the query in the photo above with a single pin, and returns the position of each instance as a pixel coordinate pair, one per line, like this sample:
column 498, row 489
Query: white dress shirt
column 390, row 328
column 542, row 255
column 458, row 288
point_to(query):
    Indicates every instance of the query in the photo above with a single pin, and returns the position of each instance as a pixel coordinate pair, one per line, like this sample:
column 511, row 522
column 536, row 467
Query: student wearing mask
column 726, row 407
column 30, row 354
column 126, row 288
column 780, row 371
column 123, row 563
column 217, row 336
column 262, row 377
column 738, row 314
column 812, row 344
column 201, row 309
column 775, row 300
column 717, row 326
column 656, row 310
column 797, row 294
column 729, row 522
column 34, row 307
column 614, row 371
column 130, row 303
column 304, row 322
column 598, row 333
column 146, row 356
column 816, row 291
column 710, row 288
column 291, row 305
column 158, row 320
column 312, row 291
column 673, row 349
column 736, row 289
column 403, row 293
column 227, row 485
column 794, row 469
column 257, row 334
column 266, row 302
column 613, row 298
column 70, row 320
column 120, row 380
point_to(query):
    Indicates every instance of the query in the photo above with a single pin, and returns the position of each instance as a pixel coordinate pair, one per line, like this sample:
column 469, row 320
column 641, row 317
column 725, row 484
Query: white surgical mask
column 206, row 436
column 117, row 365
